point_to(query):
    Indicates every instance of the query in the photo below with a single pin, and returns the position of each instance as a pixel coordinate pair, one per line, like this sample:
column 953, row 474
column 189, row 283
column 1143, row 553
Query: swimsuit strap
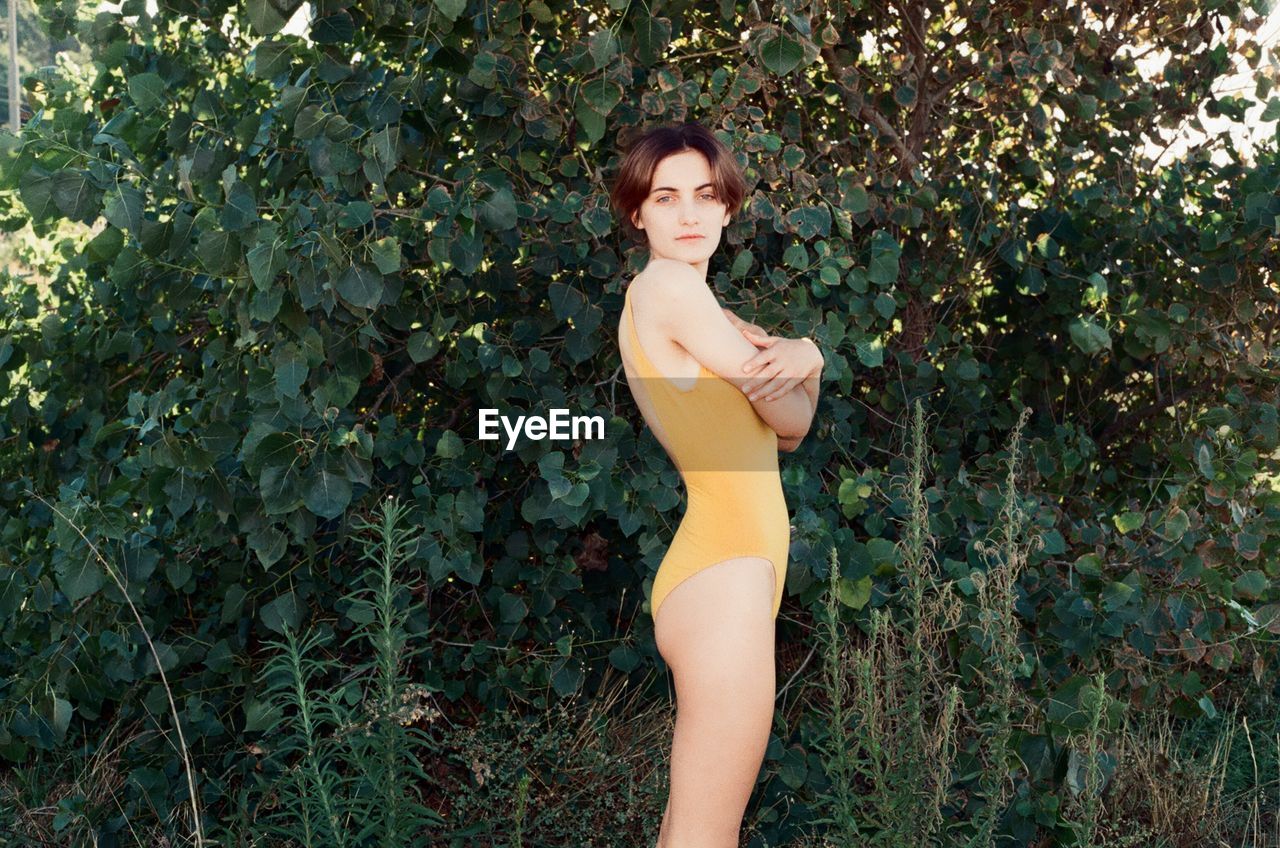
column 635, row 336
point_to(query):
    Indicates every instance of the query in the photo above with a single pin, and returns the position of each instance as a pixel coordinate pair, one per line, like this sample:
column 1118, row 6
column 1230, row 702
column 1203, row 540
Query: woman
column 722, row 397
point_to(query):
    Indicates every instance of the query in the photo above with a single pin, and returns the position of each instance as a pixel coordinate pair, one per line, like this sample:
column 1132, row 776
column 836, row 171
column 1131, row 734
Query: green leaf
column 75, row 196
column 781, row 54
column 167, row 655
column 36, row 190
column 1062, row 708
column 105, row 246
column 484, row 69
column 310, row 121
column 1128, row 521
column 1115, row 595
column 449, row 446
column 566, row 678
column 796, row 257
column 1251, row 584
column 811, row 221
column 857, row 201
column 328, row 493
column 559, row 487
column 383, row 108
column 624, row 658
column 885, row 305
column 338, row 28
column 386, row 254
column 885, row 250
column 147, row 90
column 385, row 146
column 1174, row 525
column 498, row 212
column 512, row 609
column 284, row 611
column 270, row 59
column 217, row 251
column 793, row 771
column 123, row 208
column 603, row 94
column 1088, row 336
column 268, row 18
column 361, row 285
column 451, row 9
column 1089, row 564
column 291, row 369
column 652, row 37
column 261, row 716
column 241, row 208
column 266, row 261
column 421, row 346
column 577, row 496
column 603, row 46
column 80, row 576
column 870, row 352
column 268, row 545
column 357, row 213
column 61, row 718
column 853, row 593
column 1204, row 461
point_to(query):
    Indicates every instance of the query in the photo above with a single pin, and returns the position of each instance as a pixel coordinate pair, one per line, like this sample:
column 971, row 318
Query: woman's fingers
column 771, row 387
column 767, row 380
column 779, row 387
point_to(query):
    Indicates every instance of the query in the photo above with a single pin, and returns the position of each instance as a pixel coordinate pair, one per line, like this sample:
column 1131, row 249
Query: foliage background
column 306, row 260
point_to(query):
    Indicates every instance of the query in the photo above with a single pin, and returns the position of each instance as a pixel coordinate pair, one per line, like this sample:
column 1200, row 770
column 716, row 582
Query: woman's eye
column 667, row 196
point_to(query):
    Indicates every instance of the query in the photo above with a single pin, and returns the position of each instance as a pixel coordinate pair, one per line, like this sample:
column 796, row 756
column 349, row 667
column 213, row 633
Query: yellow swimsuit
column 728, row 458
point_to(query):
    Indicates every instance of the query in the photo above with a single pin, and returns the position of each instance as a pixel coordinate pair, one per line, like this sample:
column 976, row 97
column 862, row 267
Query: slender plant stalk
column 155, row 656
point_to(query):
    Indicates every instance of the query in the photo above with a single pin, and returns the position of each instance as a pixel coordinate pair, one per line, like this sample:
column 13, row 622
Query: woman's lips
column 688, row 238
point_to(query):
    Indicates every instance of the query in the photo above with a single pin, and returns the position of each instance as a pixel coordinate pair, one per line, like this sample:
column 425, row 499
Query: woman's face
column 682, row 202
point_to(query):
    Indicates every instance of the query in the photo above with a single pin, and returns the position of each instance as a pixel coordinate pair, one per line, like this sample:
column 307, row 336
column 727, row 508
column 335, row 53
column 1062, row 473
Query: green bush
column 307, row 261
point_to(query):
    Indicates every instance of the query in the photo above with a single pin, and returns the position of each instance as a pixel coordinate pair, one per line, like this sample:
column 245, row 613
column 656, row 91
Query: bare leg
column 715, row 630
column 663, row 829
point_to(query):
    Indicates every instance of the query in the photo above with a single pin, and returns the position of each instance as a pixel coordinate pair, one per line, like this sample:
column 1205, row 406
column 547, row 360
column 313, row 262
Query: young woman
column 722, row 397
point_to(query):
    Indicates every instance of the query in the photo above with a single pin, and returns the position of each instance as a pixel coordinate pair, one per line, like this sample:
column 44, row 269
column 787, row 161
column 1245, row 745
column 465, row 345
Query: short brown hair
column 635, row 175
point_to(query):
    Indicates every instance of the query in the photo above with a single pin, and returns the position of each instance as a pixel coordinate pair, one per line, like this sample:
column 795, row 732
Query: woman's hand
column 780, row 366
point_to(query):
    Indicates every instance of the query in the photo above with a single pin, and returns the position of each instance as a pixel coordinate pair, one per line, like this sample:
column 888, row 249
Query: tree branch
column 866, row 111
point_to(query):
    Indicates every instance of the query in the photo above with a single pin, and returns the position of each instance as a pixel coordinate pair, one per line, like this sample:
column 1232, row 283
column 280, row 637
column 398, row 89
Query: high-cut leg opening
column 773, row 598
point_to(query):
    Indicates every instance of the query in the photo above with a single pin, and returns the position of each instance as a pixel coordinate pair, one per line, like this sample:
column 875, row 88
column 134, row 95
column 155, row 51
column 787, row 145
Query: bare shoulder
column 669, row 281
column 660, row 271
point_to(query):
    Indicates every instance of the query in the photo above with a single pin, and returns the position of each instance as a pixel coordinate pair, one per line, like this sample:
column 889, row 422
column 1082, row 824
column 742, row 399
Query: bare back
column 676, row 364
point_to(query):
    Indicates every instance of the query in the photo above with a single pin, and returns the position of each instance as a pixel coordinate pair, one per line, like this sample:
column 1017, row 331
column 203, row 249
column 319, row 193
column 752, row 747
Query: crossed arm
column 809, row 386
column 779, row 376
